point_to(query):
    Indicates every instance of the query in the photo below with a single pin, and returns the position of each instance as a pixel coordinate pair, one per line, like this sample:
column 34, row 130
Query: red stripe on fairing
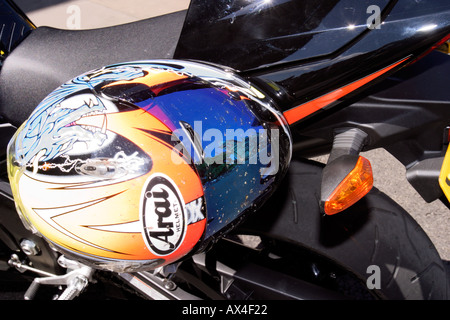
column 297, row 113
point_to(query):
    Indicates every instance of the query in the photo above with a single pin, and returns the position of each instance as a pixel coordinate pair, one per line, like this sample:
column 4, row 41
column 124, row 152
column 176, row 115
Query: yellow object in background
column 444, row 177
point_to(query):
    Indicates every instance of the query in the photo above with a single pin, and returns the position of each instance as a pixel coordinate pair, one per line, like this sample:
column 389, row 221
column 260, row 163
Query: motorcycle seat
column 48, row 57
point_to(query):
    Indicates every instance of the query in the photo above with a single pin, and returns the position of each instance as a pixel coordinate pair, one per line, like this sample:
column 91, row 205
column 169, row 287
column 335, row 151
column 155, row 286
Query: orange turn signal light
column 352, row 188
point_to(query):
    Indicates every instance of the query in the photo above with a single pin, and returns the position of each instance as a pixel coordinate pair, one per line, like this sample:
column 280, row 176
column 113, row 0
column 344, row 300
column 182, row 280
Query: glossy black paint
column 252, row 34
column 317, row 57
column 407, row 114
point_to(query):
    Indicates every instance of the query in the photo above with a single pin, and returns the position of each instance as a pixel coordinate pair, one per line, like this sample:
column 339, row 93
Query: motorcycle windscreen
column 247, row 35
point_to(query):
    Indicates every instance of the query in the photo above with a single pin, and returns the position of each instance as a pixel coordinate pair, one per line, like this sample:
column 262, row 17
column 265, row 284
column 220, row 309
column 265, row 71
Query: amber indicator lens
column 354, row 186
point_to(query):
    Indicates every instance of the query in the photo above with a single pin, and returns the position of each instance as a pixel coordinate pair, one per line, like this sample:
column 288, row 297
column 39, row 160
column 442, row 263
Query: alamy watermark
column 374, row 20
column 374, row 280
column 234, row 146
column 73, row 20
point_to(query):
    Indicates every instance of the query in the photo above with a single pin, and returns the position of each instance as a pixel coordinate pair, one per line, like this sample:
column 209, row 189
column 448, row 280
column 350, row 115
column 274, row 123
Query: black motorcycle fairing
column 398, row 38
column 410, row 108
column 406, row 29
column 49, row 57
column 408, row 114
column 254, row 34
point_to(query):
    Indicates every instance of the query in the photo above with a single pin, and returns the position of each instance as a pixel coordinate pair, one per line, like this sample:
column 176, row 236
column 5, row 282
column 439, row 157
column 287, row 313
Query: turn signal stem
column 347, row 177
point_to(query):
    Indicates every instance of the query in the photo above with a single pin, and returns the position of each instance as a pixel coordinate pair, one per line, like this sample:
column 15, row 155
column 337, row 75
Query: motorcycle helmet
column 136, row 165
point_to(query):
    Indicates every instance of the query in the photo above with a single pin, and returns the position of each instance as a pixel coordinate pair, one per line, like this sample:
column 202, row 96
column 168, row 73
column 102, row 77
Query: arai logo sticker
column 163, row 215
